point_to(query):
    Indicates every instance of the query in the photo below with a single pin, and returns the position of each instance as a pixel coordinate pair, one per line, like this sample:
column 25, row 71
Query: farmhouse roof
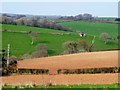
column 73, row 61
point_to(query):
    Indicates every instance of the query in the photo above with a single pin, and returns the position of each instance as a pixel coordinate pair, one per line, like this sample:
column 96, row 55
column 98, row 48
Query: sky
column 59, row 0
column 101, row 9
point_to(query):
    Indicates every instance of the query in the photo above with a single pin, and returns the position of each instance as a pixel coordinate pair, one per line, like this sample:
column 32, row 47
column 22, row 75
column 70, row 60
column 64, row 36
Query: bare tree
column 71, row 47
column 20, row 21
column 105, row 37
column 87, row 47
column 26, row 21
column 84, row 45
column 6, row 20
column 90, row 48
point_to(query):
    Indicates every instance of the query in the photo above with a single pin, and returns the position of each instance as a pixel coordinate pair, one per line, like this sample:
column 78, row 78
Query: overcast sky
column 103, row 9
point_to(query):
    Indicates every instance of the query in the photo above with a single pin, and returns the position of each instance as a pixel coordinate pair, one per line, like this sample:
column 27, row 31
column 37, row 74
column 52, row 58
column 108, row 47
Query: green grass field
column 21, row 42
column 64, row 87
column 28, row 28
column 92, row 28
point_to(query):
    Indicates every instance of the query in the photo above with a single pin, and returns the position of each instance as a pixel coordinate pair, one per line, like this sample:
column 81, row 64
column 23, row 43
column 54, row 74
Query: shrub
column 40, row 52
column 71, row 47
column 26, row 56
column 84, row 45
column 105, row 37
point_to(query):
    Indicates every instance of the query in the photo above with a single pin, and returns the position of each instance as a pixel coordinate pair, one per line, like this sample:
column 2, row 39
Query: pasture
column 28, row 28
column 92, row 28
column 21, row 42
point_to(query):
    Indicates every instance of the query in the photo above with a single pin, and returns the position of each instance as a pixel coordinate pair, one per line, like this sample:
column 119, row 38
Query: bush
column 26, row 56
column 84, row 45
column 40, row 52
column 11, row 68
column 71, row 47
column 118, row 37
column 105, row 37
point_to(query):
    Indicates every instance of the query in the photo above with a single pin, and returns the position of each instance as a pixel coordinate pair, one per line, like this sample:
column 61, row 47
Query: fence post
column 8, row 55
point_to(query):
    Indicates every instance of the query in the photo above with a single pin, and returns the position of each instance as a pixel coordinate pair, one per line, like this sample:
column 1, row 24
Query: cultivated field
column 45, row 49
column 75, row 61
column 21, row 44
column 61, row 79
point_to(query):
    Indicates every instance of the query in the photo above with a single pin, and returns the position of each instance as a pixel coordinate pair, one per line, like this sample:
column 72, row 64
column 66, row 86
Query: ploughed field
column 61, row 79
column 75, row 61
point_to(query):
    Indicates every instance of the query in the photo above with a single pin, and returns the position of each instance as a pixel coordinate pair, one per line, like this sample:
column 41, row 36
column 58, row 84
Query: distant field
column 28, row 28
column 21, row 42
column 92, row 28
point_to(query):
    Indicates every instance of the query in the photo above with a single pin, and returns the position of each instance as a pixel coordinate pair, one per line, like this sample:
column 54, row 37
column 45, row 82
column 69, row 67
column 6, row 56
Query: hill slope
column 54, row 39
column 92, row 28
column 74, row 61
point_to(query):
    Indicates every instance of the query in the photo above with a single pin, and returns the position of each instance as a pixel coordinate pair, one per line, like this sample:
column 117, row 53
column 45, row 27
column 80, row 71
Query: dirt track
column 61, row 79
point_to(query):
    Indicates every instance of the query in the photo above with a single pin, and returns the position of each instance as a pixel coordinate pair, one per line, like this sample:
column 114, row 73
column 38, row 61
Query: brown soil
column 73, row 61
column 61, row 79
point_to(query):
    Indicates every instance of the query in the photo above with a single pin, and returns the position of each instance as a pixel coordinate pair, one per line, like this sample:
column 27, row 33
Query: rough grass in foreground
column 83, row 86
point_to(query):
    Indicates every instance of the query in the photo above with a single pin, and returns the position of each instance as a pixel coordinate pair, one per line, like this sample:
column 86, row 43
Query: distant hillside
column 92, row 28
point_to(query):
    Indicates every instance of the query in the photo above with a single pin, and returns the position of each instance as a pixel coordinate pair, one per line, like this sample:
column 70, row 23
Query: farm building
column 82, row 34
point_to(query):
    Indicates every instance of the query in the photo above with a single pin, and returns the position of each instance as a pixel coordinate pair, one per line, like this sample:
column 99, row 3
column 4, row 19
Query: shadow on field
column 51, row 52
column 112, row 43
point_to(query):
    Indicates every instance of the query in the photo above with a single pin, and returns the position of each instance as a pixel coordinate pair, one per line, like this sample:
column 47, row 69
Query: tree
column 84, row 45
column 117, row 19
column 87, row 47
column 118, row 37
column 105, row 37
column 26, row 56
column 40, row 52
column 6, row 20
column 8, row 69
column 90, row 47
column 71, row 47
column 20, row 21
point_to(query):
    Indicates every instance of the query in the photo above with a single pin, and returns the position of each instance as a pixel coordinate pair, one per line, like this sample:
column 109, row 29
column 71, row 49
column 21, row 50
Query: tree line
column 84, row 16
column 34, row 22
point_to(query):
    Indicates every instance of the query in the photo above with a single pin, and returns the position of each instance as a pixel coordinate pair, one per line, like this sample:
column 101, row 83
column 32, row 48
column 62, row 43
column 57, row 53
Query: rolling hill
column 54, row 39
column 92, row 28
